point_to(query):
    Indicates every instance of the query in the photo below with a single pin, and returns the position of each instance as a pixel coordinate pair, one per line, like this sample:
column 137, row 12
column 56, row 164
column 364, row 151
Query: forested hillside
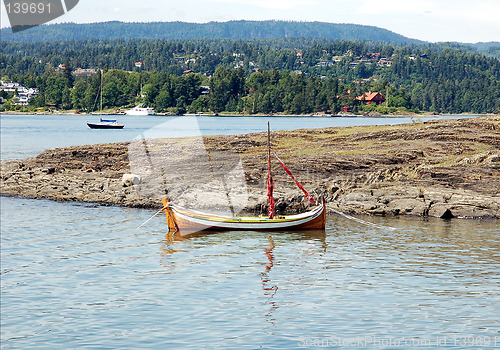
column 490, row 49
column 212, row 30
column 254, row 76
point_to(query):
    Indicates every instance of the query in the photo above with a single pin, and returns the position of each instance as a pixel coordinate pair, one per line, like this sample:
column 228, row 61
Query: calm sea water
column 83, row 276
column 77, row 275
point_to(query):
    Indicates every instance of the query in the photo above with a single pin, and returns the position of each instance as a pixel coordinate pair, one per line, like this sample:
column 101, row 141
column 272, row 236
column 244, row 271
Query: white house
column 24, row 94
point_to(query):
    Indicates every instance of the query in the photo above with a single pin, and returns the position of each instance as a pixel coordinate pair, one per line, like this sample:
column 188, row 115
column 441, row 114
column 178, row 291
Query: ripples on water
column 77, row 275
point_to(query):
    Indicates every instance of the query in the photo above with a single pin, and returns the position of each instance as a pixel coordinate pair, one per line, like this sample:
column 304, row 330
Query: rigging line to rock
column 361, row 221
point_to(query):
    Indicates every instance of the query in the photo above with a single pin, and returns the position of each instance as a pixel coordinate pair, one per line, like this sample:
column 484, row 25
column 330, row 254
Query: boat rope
column 360, row 221
column 155, row 215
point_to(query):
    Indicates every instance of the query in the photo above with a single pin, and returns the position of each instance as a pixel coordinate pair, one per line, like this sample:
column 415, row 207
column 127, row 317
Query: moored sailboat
column 188, row 221
column 104, row 123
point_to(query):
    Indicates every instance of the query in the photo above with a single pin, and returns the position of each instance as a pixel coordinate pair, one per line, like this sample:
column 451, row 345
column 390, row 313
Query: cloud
column 271, row 4
column 484, row 12
column 367, row 7
column 455, row 11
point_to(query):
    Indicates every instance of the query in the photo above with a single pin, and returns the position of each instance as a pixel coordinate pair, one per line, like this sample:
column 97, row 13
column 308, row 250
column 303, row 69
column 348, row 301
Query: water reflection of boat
column 187, row 221
column 270, row 290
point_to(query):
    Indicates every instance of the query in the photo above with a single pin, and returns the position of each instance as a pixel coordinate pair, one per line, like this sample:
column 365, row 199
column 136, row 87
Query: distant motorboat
column 106, row 124
column 140, row 110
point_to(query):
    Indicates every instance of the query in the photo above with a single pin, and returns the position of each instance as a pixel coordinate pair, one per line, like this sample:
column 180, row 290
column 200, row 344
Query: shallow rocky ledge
column 439, row 168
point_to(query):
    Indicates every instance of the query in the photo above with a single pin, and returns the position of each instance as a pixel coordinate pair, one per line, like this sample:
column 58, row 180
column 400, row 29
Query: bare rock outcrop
column 443, row 169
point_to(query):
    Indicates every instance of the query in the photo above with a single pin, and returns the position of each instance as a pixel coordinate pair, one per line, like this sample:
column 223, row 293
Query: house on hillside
column 373, row 56
column 23, row 94
column 323, row 63
column 384, row 63
column 369, row 98
column 84, row 72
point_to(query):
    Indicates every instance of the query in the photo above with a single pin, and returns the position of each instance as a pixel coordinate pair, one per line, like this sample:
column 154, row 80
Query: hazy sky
column 430, row 20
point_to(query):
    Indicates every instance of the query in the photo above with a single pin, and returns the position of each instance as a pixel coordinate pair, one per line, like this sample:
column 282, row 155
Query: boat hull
column 188, row 222
column 105, row 126
column 140, row 111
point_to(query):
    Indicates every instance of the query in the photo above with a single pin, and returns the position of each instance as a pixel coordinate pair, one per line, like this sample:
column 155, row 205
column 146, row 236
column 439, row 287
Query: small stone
column 49, row 171
column 130, row 180
column 493, row 158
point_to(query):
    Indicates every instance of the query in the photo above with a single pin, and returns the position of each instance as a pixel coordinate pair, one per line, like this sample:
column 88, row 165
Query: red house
column 371, row 98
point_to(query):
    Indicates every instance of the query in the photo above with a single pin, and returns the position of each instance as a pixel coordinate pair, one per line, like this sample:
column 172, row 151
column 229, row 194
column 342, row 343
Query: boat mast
column 269, row 175
column 101, row 92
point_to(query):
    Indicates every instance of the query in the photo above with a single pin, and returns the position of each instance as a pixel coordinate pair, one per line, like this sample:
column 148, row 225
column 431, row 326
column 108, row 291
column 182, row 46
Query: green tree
column 111, row 95
column 54, row 90
column 68, row 75
column 78, row 94
column 219, row 87
column 163, row 101
column 91, row 99
column 66, row 102
column 149, row 93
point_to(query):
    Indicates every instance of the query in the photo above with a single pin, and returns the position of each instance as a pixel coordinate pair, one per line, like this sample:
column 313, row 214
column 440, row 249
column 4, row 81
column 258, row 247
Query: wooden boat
column 188, row 221
column 106, row 124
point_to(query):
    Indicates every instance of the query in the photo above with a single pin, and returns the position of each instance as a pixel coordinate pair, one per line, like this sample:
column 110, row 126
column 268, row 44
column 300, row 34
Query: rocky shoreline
column 447, row 168
column 118, row 112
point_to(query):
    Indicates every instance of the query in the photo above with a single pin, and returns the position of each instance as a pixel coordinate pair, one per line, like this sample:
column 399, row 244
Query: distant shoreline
column 276, row 115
